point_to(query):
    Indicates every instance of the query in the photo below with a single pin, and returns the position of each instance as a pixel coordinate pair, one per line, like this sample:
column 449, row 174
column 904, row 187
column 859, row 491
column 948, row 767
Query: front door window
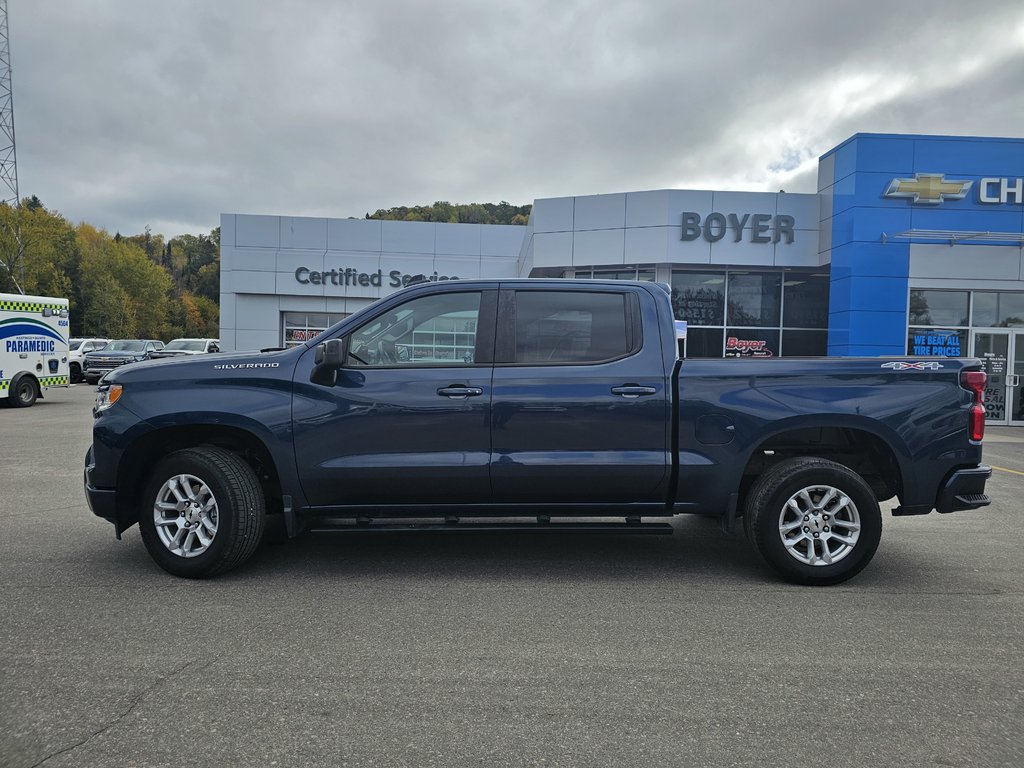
column 437, row 330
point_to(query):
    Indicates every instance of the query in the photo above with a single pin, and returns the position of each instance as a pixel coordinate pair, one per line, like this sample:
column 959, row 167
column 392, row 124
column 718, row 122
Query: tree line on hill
column 141, row 286
column 145, row 286
column 458, row 213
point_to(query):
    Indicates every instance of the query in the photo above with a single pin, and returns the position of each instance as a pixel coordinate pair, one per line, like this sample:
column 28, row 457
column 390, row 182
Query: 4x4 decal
column 922, row 366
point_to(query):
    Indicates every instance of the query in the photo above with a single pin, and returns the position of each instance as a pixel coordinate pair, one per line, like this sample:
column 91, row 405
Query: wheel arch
column 143, row 454
column 863, row 446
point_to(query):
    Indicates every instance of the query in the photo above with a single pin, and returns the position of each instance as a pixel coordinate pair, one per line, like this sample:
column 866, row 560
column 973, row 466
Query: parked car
column 115, row 354
column 181, row 347
column 543, row 400
column 79, row 348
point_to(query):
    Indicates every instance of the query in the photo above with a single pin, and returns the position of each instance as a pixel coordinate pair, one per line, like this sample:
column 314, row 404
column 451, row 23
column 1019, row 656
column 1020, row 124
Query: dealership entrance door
column 1002, row 353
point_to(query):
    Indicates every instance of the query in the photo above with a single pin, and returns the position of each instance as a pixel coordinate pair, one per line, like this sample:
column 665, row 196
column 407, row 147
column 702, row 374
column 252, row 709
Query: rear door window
column 573, row 327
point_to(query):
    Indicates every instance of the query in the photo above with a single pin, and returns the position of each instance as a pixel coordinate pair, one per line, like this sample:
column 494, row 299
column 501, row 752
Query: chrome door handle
column 459, row 393
column 633, row 390
column 1013, row 380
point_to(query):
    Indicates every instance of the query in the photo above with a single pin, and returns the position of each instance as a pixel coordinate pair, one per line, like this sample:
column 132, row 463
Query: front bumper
column 96, row 369
column 964, row 489
column 102, row 501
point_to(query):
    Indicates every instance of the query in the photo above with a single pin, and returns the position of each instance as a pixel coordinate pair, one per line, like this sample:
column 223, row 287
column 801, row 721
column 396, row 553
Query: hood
column 173, row 353
column 185, row 368
column 113, row 354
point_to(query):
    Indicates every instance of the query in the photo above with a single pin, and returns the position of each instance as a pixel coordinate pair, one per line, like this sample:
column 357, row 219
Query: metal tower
column 8, row 155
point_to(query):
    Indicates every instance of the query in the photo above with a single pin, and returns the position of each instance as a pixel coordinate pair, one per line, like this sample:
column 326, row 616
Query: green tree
column 111, row 313
column 38, row 254
column 144, row 285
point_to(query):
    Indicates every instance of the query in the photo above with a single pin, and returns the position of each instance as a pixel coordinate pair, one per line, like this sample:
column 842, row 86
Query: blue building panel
column 838, row 295
column 872, row 294
column 868, row 294
column 999, row 218
column 884, row 154
column 845, row 159
column 864, row 328
column 870, row 224
column 964, row 155
column 891, row 259
column 873, row 350
column 870, row 280
column 867, row 225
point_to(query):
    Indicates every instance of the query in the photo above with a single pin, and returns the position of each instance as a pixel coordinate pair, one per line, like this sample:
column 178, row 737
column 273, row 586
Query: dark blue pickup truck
column 554, row 404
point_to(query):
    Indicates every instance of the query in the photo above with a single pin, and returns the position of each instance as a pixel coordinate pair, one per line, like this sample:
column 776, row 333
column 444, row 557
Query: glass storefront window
column 754, row 299
column 751, row 342
column 804, row 343
column 805, row 300
column 762, row 309
column 998, row 309
column 937, row 342
column 704, row 342
column 620, row 273
column 938, row 307
column 699, row 298
column 300, row 327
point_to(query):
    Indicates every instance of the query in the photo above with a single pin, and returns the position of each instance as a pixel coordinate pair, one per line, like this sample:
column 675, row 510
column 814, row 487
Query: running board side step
column 651, row 529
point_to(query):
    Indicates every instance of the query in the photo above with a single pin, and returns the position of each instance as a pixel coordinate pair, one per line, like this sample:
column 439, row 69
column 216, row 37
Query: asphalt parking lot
column 452, row 650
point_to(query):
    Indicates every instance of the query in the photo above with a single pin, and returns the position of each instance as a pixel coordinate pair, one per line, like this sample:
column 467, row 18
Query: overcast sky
column 136, row 112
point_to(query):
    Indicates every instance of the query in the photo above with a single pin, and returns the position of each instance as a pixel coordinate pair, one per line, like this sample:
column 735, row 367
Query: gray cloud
column 134, row 112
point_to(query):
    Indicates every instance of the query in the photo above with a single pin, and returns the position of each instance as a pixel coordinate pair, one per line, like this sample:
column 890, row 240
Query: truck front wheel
column 814, row 521
column 203, row 512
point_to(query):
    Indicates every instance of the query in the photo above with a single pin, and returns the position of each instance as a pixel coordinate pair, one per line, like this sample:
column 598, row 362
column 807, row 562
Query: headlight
column 107, row 396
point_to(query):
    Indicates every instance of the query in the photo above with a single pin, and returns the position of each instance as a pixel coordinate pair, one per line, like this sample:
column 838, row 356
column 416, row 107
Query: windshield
column 125, row 346
column 74, row 344
column 187, row 345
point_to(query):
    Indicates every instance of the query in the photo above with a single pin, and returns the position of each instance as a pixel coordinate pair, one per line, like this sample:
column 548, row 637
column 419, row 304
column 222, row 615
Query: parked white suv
column 77, row 351
column 180, row 347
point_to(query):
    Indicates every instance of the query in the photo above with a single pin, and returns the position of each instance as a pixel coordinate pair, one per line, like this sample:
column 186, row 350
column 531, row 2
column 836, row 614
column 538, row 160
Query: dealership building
column 912, row 246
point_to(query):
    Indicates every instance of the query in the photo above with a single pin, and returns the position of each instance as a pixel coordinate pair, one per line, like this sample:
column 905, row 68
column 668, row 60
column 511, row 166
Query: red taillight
column 974, row 381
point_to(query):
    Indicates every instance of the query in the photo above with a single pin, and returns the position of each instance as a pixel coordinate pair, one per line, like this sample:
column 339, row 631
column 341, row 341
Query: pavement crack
column 128, row 710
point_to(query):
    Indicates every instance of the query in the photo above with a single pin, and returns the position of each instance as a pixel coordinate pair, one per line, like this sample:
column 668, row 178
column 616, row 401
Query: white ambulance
column 33, row 346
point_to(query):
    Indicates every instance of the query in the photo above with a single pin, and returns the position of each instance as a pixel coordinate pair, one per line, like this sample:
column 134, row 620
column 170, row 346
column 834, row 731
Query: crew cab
column 556, row 404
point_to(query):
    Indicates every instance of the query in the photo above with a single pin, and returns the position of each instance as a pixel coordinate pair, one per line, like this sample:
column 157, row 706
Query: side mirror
column 328, row 358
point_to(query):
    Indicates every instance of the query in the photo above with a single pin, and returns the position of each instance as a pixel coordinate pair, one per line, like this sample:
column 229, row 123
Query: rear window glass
column 571, row 327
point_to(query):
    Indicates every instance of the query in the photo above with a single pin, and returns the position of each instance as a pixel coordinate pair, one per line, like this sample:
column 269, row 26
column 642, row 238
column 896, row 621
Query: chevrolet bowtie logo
column 928, row 188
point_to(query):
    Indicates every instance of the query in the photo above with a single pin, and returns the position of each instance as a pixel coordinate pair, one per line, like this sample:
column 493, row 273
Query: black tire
column 23, row 393
column 766, row 503
column 240, row 506
column 75, row 373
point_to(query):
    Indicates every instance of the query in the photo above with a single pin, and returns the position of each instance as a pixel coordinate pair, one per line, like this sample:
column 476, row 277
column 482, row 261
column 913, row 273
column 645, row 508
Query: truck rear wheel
column 814, row 521
column 203, row 512
column 24, row 392
column 75, row 373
